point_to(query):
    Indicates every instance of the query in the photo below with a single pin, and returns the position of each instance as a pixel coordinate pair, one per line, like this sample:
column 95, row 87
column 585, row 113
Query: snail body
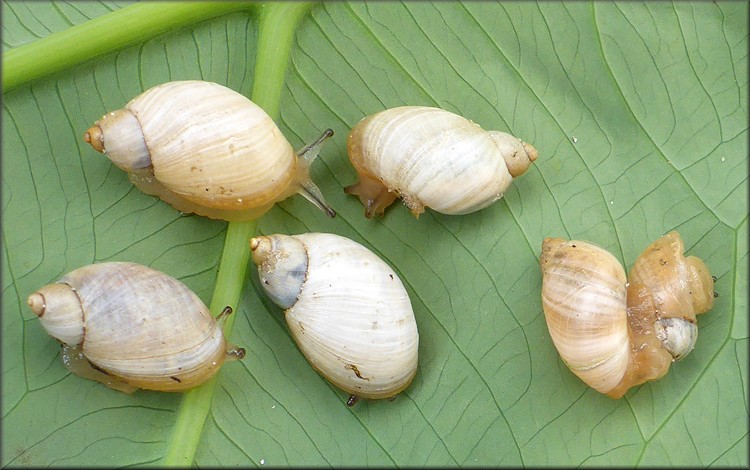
column 129, row 327
column 432, row 158
column 207, row 149
column 615, row 332
column 346, row 309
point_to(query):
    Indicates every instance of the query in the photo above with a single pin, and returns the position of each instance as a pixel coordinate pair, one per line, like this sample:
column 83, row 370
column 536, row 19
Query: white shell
column 434, row 158
column 584, row 301
column 135, row 324
column 347, row 310
column 204, row 148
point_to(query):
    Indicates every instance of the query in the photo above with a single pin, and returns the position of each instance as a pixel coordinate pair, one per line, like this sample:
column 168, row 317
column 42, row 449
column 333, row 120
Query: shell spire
column 282, row 266
column 60, row 312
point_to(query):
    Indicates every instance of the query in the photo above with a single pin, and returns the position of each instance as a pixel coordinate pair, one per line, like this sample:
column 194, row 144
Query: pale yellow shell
column 205, row 148
column 138, row 327
column 345, row 307
column 584, row 301
column 615, row 333
column 432, row 158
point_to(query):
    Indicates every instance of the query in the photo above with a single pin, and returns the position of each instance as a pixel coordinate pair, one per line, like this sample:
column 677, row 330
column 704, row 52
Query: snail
column 130, row 326
column 347, row 310
column 206, row 149
column 615, row 332
column 432, row 158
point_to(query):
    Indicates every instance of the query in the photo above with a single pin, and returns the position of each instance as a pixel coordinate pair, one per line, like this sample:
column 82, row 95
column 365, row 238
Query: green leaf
column 639, row 113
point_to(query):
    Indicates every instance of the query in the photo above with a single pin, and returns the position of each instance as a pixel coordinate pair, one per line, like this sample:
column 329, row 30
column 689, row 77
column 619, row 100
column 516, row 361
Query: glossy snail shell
column 129, row 326
column 346, row 309
column 207, row 149
column 616, row 332
column 432, row 158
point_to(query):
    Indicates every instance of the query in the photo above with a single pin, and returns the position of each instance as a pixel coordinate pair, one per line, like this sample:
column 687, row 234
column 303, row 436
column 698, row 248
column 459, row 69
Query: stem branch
column 105, row 34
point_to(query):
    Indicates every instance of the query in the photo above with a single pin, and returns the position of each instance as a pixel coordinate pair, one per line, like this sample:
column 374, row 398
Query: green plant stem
column 137, row 23
column 196, row 404
column 121, row 28
column 277, row 25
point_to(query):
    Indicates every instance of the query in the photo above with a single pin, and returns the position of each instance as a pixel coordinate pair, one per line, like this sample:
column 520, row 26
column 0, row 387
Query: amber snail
column 432, row 158
column 615, row 332
column 130, row 326
column 206, row 149
column 347, row 310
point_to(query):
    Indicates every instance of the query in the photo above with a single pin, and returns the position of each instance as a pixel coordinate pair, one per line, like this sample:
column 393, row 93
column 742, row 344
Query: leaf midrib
column 135, row 24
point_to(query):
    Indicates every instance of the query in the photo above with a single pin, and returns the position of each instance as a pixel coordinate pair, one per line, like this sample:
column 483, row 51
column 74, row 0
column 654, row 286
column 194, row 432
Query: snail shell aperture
column 207, row 149
column 432, row 158
column 615, row 333
column 129, row 326
column 346, row 308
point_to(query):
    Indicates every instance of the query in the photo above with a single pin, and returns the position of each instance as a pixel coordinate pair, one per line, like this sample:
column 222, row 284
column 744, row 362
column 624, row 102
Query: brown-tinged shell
column 615, row 334
column 207, row 149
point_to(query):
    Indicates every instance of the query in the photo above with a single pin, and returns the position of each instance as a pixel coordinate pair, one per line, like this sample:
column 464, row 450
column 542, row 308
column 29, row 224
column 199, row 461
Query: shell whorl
column 282, row 267
column 682, row 287
column 60, row 312
column 128, row 151
column 584, row 300
column 518, row 155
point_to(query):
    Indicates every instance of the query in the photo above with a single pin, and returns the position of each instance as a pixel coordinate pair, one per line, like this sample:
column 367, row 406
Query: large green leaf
column 639, row 113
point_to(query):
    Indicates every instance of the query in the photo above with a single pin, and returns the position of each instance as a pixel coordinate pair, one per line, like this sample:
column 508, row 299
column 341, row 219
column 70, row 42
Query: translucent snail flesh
column 432, row 158
column 207, row 149
column 129, row 327
column 345, row 307
column 615, row 332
